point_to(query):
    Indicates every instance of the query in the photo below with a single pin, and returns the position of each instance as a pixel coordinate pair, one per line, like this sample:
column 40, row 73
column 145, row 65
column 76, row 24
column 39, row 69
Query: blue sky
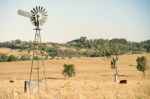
column 71, row 19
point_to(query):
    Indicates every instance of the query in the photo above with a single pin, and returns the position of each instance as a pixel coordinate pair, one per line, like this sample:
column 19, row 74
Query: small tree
column 69, row 70
column 142, row 64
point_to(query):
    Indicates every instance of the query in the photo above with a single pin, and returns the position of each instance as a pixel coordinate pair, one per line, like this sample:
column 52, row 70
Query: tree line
column 83, row 47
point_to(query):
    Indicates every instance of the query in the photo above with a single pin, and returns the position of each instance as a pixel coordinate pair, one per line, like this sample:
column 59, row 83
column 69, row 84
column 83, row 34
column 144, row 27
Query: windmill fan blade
column 43, row 10
column 32, row 19
column 34, row 10
column 37, row 9
column 24, row 13
column 45, row 13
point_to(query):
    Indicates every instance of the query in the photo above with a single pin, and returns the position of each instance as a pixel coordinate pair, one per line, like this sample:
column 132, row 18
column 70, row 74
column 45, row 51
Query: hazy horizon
column 69, row 20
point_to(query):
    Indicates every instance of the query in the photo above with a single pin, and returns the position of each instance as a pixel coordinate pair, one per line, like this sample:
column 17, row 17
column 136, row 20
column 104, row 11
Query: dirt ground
column 94, row 79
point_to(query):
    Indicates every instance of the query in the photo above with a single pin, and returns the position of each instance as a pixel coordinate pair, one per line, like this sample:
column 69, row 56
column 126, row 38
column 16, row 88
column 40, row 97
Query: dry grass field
column 15, row 52
column 94, row 79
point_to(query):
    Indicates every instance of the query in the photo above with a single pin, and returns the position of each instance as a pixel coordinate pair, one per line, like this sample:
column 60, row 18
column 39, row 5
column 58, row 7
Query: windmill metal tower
column 38, row 16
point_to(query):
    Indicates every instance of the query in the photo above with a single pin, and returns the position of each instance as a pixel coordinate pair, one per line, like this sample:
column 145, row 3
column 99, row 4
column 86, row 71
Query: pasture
column 94, row 79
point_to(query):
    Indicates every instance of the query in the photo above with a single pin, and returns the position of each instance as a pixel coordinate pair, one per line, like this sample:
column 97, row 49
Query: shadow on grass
column 55, row 78
column 119, row 75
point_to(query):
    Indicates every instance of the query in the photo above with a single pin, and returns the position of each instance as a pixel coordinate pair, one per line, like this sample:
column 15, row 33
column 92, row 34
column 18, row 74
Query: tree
column 142, row 64
column 69, row 70
column 105, row 50
column 114, row 49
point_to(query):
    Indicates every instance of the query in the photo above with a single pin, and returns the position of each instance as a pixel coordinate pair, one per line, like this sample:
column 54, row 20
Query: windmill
column 38, row 17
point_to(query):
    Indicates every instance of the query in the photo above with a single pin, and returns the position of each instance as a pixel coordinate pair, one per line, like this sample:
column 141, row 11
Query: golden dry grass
column 93, row 80
column 15, row 52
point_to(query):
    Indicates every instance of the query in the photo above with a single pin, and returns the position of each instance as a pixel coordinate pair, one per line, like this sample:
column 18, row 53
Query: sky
column 71, row 19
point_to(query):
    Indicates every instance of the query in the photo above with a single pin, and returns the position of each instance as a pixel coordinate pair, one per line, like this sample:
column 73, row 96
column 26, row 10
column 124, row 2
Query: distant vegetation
column 81, row 47
column 9, row 58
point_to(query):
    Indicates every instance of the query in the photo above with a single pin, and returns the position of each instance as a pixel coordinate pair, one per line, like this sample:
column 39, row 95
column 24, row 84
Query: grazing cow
column 123, row 82
column 11, row 81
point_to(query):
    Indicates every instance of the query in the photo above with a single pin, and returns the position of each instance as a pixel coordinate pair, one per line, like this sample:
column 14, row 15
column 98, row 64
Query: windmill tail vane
column 24, row 13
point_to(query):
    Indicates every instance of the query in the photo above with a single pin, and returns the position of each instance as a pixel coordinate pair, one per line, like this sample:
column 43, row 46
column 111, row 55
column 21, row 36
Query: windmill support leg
column 43, row 65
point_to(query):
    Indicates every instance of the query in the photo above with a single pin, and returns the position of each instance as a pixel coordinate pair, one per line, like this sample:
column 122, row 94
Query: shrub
column 69, row 70
column 69, row 57
column 142, row 64
column 46, row 57
column 36, row 58
column 12, row 58
column 3, row 57
column 25, row 57
column 62, row 57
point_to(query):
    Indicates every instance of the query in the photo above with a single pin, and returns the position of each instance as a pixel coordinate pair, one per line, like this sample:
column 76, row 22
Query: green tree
column 142, row 64
column 69, row 70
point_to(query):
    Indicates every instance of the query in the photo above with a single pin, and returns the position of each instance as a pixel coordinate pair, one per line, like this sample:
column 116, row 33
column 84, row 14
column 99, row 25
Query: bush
column 3, row 57
column 69, row 70
column 142, row 64
column 69, row 57
column 12, row 58
column 46, row 57
column 25, row 57
column 36, row 58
